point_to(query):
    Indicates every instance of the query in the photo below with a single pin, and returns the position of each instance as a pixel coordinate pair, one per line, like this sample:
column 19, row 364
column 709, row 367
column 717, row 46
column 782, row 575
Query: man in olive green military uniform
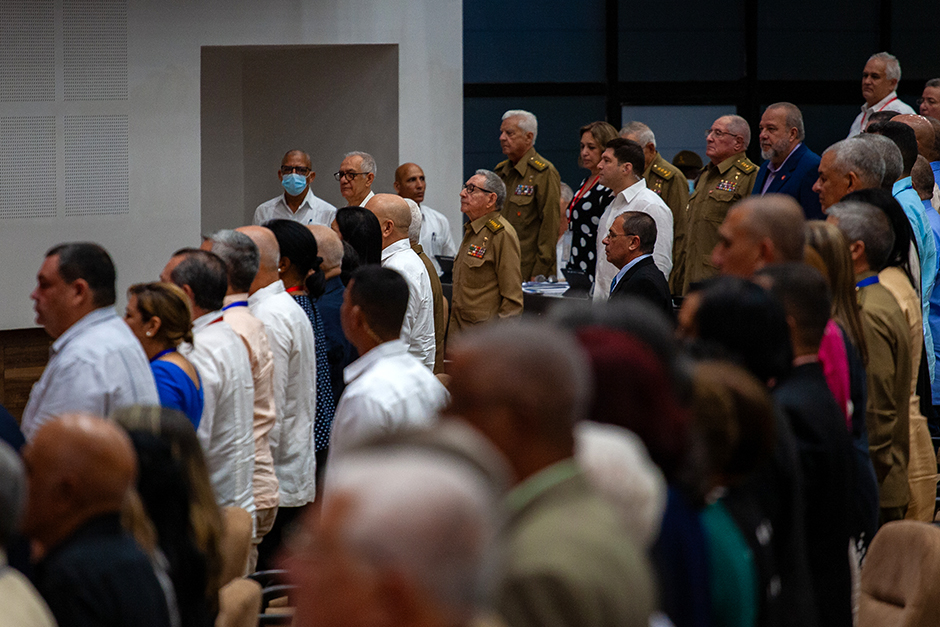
column 532, row 191
column 661, row 176
column 487, row 278
column 728, row 178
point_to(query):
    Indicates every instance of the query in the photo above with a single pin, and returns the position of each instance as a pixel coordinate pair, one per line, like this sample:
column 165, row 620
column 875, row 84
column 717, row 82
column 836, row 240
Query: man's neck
column 877, row 100
column 626, row 185
column 392, row 239
column 294, row 202
column 332, row 272
column 781, row 159
column 355, row 201
column 516, row 158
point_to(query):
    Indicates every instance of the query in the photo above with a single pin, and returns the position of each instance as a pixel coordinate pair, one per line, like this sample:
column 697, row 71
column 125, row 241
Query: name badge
column 525, row 190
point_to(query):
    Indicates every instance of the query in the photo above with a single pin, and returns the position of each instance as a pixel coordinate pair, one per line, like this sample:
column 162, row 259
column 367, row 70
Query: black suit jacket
column 645, row 280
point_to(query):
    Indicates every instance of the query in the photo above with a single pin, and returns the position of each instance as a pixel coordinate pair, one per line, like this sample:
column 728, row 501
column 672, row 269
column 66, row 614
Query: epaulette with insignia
column 745, row 165
column 501, row 165
column 663, row 172
column 494, row 226
column 537, row 163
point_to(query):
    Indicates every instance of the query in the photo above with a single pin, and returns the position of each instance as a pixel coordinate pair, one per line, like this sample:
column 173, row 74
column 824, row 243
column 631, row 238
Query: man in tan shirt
column 241, row 260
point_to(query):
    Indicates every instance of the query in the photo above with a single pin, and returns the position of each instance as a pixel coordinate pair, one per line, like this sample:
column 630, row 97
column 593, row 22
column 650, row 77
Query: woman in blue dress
column 159, row 315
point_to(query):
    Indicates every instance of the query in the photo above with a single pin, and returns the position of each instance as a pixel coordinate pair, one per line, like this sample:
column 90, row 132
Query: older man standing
column 355, row 176
column 728, row 178
column 417, row 331
column 879, row 80
column 619, row 169
column 226, row 431
column 629, row 243
column 436, row 238
column 487, row 279
column 298, row 201
column 846, row 166
column 757, row 232
column 790, row 167
column 661, row 176
column 532, row 189
column 95, row 364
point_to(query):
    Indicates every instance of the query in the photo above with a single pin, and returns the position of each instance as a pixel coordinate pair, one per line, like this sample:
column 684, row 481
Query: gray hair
column 424, row 513
column 780, row 219
column 528, row 123
column 739, row 126
column 12, row 492
column 794, row 117
column 892, row 67
column 862, row 222
column 644, row 134
column 368, row 162
column 329, row 246
column 495, row 185
column 566, row 193
column 859, row 156
column 890, row 155
column 240, row 255
column 414, row 229
column 934, row 82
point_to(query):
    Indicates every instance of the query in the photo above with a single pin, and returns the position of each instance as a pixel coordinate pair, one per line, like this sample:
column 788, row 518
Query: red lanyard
column 880, row 109
column 296, row 288
column 588, row 185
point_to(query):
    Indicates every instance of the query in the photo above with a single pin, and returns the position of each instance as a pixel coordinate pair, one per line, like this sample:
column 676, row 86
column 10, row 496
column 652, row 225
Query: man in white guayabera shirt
column 220, row 356
column 95, row 364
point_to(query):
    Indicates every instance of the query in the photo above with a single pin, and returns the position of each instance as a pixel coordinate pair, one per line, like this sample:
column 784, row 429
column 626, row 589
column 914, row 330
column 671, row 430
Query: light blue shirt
column 96, row 366
column 927, row 250
column 625, row 269
column 934, row 318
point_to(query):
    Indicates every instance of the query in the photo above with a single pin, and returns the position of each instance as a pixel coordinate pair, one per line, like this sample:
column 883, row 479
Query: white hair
column 368, row 162
column 860, row 156
column 566, row 193
column 329, row 245
column 425, row 514
column 528, row 123
column 892, row 66
column 414, row 229
column 739, row 126
column 644, row 134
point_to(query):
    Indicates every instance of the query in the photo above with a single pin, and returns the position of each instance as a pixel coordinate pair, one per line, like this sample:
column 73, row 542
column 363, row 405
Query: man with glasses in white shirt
column 355, row 176
column 298, row 201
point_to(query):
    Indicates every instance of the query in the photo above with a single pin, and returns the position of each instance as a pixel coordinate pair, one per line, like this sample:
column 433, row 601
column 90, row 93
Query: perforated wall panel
column 27, row 167
column 27, row 51
column 96, row 153
column 95, row 49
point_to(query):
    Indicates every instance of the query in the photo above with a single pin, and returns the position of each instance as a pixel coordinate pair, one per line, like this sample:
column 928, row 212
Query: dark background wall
column 571, row 63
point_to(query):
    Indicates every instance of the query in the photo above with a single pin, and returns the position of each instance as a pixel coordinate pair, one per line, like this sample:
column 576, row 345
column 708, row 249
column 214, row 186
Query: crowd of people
column 712, row 433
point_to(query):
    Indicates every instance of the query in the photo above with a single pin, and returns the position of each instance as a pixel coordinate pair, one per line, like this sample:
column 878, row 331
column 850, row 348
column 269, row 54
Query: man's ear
column 189, row 293
column 857, row 249
column 80, row 291
column 397, row 187
column 370, row 177
column 853, row 181
column 767, row 251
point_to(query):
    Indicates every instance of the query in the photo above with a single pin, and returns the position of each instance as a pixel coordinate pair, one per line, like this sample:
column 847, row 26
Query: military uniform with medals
column 671, row 185
column 718, row 188
column 533, row 193
column 487, row 280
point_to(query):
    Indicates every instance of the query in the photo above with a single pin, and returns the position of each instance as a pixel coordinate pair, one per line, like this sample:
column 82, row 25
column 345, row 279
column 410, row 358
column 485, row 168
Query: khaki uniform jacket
column 533, row 192
column 437, row 296
column 487, row 281
column 696, row 233
column 889, row 390
column 666, row 180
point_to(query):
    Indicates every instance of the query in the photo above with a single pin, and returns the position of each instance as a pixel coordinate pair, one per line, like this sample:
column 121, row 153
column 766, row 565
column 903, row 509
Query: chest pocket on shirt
column 523, row 204
column 715, row 212
column 477, row 274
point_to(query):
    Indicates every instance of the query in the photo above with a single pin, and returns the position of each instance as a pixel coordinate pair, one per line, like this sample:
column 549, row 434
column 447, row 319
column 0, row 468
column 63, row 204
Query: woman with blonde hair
column 159, row 315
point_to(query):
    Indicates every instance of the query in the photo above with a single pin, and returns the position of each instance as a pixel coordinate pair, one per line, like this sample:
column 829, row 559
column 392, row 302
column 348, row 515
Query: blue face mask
column 294, row 183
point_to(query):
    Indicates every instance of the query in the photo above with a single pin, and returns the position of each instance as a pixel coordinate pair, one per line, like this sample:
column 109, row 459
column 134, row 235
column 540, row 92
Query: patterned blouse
column 584, row 213
column 326, row 404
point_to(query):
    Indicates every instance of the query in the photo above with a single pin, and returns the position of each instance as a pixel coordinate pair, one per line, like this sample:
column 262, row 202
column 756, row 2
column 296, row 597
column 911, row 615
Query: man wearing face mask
column 298, row 201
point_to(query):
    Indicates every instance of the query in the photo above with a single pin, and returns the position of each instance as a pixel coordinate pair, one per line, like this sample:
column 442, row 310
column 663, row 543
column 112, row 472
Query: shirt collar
column 234, row 298
column 539, row 483
column 205, row 320
column 91, row 319
column 881, row 103
column 480, row 222
column 392, row 348
column 266, row 292
column 725, row 165
column 773, row 170
column 367, row 198
column 524, row 160
column 307, row 201
column 630, row 193
column 627, row 267
column 900, row 185
column 395, row 247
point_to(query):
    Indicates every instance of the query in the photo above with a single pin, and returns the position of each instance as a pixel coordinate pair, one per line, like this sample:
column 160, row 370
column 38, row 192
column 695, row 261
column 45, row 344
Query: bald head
column 329, row 248
column 394, row 217
column 79, row 467
column 759, row 231
column 923, row 131
column 269, row 255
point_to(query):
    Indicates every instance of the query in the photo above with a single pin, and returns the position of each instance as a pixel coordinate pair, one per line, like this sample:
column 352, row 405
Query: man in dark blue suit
column 629, row 246
column 790, row 167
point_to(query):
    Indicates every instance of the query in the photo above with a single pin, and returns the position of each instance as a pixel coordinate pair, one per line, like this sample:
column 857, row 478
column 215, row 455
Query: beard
column 778, row 150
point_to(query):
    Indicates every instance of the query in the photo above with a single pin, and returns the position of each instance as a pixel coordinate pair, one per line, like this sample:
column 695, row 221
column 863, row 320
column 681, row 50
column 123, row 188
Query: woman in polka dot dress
column 590, row 200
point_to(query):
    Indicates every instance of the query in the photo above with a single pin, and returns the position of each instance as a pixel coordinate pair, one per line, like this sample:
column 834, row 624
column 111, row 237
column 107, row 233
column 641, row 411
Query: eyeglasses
column 349, row 176
column 933, row 102
column 470, row 188
column 299, row 169
column 719, row 133
column 612, row 235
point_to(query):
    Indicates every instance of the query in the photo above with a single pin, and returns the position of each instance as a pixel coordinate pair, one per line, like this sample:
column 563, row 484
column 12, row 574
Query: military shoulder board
column 494, row 226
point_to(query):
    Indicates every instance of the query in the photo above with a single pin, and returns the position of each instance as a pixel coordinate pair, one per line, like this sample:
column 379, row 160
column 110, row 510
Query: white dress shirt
column 417, row 330
column 312, row 210
column 891, row 102
column 295, row 387
column 386, row 390
column 255, row 337
column 436, row 238
column 367, row 198
column 637, row 197
column 225, row 431
column 96, row 366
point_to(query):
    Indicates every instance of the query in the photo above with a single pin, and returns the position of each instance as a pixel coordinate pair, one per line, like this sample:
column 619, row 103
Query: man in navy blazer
column 629, row 246
column 790, row 167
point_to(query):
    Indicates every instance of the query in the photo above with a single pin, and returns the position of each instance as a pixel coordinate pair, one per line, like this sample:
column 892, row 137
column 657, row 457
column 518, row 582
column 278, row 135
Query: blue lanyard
column 237, row 303
column 162, row 353
column 866, row 282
